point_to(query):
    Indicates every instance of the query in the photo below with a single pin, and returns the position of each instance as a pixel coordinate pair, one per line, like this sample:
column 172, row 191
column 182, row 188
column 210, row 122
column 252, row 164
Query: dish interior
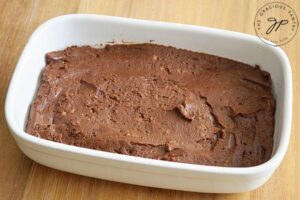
column 59, row 34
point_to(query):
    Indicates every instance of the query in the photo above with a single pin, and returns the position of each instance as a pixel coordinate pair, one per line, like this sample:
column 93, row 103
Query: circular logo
column 276, row 23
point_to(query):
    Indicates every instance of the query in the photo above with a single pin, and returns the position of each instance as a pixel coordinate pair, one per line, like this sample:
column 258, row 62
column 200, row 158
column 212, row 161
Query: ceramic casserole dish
column 82, row 29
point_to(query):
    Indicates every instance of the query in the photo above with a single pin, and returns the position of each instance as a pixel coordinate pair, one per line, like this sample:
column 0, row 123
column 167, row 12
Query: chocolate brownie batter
column 156, row 102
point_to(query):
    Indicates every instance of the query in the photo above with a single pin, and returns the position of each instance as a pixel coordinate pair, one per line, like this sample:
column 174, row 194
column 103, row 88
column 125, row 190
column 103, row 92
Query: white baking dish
column 64, row 31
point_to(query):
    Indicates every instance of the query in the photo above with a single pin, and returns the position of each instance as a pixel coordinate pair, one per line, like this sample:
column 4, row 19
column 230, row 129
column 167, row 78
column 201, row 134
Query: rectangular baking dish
column 81, row 29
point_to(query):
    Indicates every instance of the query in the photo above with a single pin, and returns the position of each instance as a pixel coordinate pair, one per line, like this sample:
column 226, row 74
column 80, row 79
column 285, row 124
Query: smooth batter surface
column 156, row 102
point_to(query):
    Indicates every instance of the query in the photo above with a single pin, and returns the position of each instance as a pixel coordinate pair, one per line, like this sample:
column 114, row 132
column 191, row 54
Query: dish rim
column 271, row 164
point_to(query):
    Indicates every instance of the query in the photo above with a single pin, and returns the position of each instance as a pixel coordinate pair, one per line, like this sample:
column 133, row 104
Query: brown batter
column 156, row 102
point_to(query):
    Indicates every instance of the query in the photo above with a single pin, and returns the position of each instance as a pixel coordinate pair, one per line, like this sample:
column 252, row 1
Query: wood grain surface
column 21, row 178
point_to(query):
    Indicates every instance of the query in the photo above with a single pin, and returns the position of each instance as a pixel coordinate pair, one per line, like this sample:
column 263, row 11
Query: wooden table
column 20, row 177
